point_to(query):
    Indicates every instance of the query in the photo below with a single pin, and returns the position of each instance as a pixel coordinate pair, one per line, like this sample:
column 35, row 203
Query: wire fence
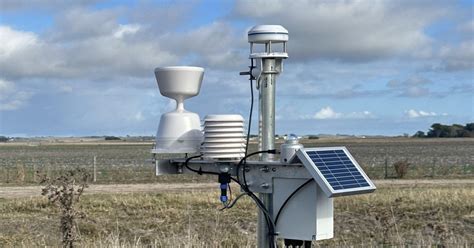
column 106, row 170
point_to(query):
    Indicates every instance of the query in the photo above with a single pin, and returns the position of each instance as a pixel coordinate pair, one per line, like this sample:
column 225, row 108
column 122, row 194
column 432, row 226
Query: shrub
column 401, row 168
column 65, row 192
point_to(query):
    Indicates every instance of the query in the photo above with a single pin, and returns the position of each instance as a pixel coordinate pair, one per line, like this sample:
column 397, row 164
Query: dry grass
column 393, row 216
column 397, row 215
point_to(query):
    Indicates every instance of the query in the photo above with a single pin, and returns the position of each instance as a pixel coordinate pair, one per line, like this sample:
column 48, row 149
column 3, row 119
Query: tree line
column 447, row 131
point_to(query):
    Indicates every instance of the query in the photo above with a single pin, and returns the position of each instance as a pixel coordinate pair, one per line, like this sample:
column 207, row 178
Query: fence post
column 95, row 169
column 34, row 171
column 7, row 173
column 386, row 167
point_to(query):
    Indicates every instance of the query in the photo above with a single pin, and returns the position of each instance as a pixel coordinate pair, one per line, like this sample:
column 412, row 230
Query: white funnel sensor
column 179, row 131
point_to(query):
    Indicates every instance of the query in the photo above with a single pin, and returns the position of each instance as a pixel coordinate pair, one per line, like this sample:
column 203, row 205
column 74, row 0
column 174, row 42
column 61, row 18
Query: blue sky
column 73, row 68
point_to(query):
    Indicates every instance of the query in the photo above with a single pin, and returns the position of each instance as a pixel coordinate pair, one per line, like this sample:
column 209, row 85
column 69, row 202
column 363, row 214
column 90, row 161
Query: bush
column 65, row 192
column 401, row 168
column 112, row 138
column 419, row 134
column 3, row 139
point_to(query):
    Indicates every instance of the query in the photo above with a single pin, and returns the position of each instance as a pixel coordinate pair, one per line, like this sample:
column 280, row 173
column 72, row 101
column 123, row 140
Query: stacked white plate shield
column 224, row 137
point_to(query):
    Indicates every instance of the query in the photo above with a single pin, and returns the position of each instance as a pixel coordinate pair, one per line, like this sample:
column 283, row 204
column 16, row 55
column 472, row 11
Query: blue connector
column 223, row 187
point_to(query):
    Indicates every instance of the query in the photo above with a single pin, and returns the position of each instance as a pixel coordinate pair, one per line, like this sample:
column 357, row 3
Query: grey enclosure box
column 307, row 216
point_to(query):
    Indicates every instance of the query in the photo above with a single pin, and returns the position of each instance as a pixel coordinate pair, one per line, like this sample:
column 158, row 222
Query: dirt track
column 31, row 191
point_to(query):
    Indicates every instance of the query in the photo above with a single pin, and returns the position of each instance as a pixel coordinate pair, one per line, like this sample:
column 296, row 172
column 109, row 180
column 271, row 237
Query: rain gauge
column 295, row 193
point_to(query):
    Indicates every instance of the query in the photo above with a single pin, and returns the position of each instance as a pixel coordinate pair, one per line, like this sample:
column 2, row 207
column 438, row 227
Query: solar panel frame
column 322, row 180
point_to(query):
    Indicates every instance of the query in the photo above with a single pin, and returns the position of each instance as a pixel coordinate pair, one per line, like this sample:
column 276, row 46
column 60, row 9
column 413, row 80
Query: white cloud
column 10, row 97
column 349, row 30
column 218, row 45
column 112, row 55
column 77, row 47
column 327, row 113
column 126, row 29
column 12, row 41
column 412, row 113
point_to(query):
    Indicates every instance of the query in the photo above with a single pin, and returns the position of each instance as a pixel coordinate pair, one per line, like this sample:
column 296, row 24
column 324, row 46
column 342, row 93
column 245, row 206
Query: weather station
column 294, row 193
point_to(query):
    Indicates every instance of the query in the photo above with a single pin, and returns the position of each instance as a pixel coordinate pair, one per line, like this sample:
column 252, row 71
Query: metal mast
column 269, row 65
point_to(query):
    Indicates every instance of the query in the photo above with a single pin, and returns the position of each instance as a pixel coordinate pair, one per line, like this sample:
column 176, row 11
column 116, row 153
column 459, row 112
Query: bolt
column 274, row 169
column 224, row 168
column 265, row 169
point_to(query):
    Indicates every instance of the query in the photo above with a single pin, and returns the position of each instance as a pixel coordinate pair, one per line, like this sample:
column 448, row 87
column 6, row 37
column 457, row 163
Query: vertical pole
column 266, row 138
column 95, row 169
column 34, row 171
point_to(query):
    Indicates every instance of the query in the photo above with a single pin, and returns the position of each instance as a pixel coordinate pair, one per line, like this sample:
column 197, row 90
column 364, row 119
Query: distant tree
column 470, row 127
column 313, row 137
column 112, row 138
column 437, row 130
column 419, row 134
column 456, row 130
column 3, row 139
column 448, row 131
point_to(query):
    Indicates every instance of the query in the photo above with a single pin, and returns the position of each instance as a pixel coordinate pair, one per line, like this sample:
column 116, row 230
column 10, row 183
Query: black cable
column 244, row 160
column 258, row 202
column 189, row 159
column 251, row 108
column 270, row 224
column 249, row 127
column 289, row 198
column 200, row 171
column 230, row 205
column 256, row 199
column 245, row 188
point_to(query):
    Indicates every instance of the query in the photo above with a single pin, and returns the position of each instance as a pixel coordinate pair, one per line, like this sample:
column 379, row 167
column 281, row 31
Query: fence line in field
column 107, row 170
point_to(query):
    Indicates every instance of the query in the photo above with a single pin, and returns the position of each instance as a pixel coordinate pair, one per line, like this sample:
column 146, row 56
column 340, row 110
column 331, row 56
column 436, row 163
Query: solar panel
column 336, row 171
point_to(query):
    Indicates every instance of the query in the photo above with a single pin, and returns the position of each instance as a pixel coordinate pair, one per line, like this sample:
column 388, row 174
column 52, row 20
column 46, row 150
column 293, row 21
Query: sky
column 85, row 67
